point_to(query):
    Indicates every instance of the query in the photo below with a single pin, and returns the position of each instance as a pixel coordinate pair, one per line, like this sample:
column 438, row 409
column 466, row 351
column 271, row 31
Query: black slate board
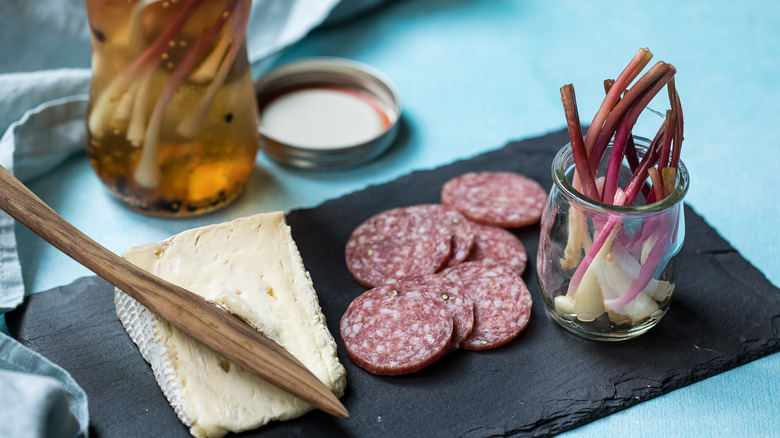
column 725, row 313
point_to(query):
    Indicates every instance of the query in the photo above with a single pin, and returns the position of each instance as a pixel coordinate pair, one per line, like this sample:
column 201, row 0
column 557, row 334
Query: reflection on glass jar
column 607, row 272
column 172, row 118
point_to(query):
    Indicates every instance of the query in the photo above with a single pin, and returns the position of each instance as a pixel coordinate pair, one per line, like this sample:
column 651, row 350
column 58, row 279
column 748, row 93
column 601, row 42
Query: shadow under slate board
column 543, row 382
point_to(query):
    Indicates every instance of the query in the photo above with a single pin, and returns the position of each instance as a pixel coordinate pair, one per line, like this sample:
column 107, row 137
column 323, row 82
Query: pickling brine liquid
column 172, row 118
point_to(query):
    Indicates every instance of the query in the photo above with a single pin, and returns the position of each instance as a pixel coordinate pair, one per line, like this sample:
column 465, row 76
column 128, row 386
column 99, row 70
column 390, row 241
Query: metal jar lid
column 326, row 112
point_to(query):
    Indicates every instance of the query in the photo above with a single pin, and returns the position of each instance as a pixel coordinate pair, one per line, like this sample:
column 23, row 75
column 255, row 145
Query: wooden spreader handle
column 190, row 313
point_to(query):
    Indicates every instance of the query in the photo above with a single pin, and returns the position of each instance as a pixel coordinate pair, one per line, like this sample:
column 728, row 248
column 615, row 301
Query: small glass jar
column 608, row 273
column 172, row 116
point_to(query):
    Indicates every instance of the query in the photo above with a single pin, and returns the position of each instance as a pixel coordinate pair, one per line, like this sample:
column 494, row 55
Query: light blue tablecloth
column 475, row 74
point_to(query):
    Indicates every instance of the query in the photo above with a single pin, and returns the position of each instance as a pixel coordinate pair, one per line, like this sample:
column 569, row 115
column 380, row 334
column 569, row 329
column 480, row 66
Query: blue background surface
column 474, row 75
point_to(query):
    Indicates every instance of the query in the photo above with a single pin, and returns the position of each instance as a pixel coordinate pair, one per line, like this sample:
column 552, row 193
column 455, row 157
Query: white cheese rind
column 252, row 267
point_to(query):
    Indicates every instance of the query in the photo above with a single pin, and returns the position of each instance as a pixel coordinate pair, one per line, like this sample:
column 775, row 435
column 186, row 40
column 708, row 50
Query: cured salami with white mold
column 502, row 199
column 494, row 245
column 387, row 331
column 460, row 306
column 397, row 243
column 442, row 276
column 462, row 234
column 502, row 303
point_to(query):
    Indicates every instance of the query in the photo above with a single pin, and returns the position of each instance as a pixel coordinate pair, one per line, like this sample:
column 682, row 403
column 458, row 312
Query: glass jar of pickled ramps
column 172, row 116
column 608, row 272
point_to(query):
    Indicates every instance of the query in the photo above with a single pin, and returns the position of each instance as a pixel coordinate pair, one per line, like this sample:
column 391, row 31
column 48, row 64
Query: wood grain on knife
column 213, row 326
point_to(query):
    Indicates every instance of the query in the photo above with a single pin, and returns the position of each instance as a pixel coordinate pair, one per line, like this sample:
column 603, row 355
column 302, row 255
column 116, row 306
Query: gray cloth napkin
column 44, row 81
column 39, row 399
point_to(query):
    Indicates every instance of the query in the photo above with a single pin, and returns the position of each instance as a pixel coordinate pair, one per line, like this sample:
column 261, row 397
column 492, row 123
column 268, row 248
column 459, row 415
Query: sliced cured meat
column 460, row 306
column 502, row 303
column 494, row 245
column 462, row 235
column 389, row 332
column 397, row 243
column 502, row 199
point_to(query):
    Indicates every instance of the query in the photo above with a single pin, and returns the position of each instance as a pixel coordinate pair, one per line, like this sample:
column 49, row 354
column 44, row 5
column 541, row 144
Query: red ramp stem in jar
column 172, row 116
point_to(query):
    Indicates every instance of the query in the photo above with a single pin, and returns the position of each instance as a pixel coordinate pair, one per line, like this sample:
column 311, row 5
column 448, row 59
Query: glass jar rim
column 566, row 155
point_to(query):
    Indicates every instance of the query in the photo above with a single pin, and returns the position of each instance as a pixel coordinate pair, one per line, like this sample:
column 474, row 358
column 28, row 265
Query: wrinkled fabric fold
column 38, row 398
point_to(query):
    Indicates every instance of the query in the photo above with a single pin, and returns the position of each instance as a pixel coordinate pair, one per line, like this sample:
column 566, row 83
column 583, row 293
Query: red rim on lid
column 326, row 112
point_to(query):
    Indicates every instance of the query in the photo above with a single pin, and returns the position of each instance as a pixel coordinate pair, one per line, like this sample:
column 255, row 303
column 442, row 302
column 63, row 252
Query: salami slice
column 494, row 245
column 460, row 306
column 397, row 243
column 502, row 303
column 460, row 227
column 502, row 199
column 389, row 332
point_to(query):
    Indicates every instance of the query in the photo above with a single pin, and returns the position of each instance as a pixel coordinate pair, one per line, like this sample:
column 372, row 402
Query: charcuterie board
column 543, row 382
